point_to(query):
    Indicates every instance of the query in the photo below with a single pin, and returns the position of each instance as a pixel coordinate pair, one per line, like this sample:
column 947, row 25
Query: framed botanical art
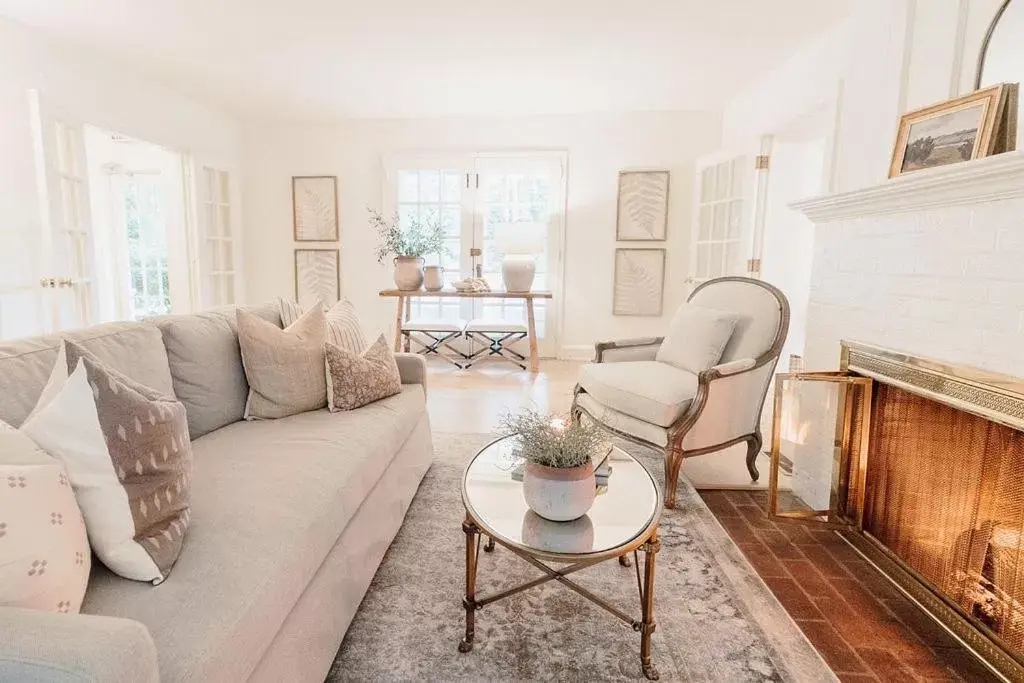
column 962, row 129
column 317, row 277
column 642, row 211
column 315, row 208
column 639, row 281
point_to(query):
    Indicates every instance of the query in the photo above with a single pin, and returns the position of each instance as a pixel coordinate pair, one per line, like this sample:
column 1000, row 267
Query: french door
column 484, row 200
column 723, row 234
column 59, row 285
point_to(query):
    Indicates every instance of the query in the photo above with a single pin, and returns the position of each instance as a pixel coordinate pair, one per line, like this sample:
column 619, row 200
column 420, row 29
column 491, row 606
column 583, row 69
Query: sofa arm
column 624, row 350
column 413, row 369
column 42, row 646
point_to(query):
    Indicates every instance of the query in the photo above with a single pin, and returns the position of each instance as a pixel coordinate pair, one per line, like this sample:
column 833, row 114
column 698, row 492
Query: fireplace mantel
column 985, row 180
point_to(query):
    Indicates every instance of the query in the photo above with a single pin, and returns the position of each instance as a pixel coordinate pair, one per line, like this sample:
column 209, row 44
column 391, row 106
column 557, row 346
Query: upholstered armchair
column 632, row 394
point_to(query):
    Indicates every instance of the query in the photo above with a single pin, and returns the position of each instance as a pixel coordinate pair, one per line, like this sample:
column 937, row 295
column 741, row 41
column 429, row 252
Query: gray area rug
column 716, row 620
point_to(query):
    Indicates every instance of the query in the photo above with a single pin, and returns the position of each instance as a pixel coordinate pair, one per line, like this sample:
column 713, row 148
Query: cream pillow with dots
column 44, row 551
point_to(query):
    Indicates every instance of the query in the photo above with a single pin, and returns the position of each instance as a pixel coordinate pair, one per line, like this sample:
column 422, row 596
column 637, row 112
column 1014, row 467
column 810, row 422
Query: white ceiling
column 323, row 59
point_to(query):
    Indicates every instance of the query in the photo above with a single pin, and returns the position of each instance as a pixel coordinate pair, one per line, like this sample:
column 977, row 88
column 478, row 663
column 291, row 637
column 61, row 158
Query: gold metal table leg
column 469, row 602
column 647, row 626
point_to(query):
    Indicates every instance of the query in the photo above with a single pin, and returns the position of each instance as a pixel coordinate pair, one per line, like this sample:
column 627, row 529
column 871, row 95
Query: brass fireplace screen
column 930, row 488
column 945, row 494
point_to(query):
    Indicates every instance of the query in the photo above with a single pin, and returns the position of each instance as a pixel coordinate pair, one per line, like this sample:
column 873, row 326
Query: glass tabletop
column 623, row 512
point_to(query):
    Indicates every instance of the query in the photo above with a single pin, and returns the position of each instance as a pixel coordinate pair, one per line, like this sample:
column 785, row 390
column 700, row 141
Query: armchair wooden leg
column 753, row 449
column 673, row 463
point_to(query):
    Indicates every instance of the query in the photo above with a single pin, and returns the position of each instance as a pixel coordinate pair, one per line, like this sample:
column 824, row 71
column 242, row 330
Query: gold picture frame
column 957, row 130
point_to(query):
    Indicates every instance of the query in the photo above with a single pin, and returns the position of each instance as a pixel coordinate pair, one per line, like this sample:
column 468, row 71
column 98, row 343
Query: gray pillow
column 285, row 368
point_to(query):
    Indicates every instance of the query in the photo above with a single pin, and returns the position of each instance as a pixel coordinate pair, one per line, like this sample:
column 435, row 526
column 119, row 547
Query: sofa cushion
column 696, row 338
column 647, row 390
column 269, row 501
column 206, row 364
column 759, row 314
column 129, row 458
column 136, row 350
column 355, row 380
column 285, row 368
column 44, row 551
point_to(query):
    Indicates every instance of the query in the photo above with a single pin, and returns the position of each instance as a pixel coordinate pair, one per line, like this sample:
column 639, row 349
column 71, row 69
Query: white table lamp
column 521, row 243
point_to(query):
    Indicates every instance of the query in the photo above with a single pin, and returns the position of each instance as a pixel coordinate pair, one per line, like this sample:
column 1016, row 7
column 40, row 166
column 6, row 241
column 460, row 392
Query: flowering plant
column 552, row 441
column 421, row 238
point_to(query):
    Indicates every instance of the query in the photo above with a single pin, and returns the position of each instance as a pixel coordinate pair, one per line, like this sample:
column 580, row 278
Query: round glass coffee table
column 623, row 520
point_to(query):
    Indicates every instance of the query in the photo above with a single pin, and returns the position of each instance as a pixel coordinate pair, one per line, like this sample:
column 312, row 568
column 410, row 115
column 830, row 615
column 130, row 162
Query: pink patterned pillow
column 355, row 380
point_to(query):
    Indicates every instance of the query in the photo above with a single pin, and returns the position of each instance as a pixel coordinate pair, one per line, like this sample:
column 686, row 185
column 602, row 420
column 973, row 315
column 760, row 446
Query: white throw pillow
column 696, row 338
column 44, row 550
column 117, row 466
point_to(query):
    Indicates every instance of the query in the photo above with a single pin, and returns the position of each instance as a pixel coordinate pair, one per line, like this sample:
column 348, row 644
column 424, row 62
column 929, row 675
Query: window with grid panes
column 523, row 197
column 474, row 195
column 429, row 196
column 146, row 237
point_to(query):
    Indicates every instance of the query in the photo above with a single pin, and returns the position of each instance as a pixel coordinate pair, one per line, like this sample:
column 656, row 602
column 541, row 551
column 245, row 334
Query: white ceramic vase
column 433, row 278
column 518, row 271
column 576, row 536
column 559, row 494
column 408, row 272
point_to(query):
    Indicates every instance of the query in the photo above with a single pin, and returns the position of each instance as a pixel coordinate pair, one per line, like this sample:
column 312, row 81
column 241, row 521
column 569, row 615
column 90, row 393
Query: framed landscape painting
column 949, row 132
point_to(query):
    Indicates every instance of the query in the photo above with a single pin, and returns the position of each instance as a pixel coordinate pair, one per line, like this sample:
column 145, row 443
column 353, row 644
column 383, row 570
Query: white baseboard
column 584, row 352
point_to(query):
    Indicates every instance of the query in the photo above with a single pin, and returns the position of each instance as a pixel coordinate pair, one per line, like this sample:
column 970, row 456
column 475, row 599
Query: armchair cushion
column 696, row 338
column 654, row 392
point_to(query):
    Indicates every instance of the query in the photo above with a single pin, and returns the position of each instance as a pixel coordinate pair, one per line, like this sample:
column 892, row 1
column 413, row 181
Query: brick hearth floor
column 862, row 625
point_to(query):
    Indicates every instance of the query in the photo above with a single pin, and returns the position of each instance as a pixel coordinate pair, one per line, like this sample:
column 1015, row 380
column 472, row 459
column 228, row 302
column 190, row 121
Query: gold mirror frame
column 979, row 73
column 852, row 410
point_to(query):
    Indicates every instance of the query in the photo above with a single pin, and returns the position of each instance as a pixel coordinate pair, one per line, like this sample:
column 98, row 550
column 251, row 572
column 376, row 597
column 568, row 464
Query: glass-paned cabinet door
column 720, row 242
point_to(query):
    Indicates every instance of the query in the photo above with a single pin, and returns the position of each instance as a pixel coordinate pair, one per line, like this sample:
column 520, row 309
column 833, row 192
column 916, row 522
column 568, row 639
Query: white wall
column 97, row 91
column 598, row 147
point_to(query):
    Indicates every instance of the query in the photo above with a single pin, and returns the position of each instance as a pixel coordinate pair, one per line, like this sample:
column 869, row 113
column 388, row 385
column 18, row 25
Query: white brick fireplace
column 931, row 263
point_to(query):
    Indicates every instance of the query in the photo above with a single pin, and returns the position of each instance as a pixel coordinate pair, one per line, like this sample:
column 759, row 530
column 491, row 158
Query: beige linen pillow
column 285, row 368
column 696, row 338
column 355, row 380
column 129, row 458
column 44, row 551
column 343, row 327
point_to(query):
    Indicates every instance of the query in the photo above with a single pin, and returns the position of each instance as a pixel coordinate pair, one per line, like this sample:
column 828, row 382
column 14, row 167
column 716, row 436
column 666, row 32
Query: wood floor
column 863, row 627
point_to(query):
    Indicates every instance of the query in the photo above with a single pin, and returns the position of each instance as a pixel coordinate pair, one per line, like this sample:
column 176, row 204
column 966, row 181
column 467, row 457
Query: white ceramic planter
column 433, row 278
column 408, row 272
column 559, row 494
column 518, row 271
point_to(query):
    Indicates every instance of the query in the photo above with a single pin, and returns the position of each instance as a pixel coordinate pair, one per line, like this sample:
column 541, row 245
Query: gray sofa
column 290, row 519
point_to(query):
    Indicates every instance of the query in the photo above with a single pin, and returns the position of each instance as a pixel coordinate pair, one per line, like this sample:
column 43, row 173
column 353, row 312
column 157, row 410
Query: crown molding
column 973, row 182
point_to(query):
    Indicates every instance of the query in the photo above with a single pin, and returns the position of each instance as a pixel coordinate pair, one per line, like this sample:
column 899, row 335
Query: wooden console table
column 403, row 298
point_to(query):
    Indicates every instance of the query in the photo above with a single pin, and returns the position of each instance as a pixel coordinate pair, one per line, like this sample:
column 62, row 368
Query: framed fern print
column 317, row 277
column 642, row 206
column 315, row 208
column 639, row 282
